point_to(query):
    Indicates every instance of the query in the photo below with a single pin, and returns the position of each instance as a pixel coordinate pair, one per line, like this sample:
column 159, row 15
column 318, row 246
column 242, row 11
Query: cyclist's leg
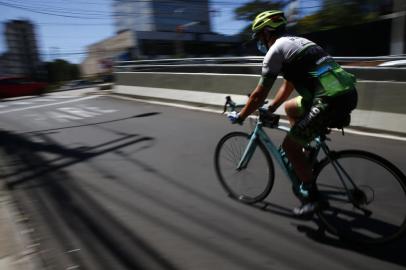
column 294, row 109
column 298, row 159
column 306, row 128
column 311, row 124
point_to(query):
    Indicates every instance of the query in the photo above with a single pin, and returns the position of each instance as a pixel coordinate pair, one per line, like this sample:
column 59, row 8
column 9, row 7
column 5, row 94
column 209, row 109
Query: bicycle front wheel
column 371, row 208
column 253, row 182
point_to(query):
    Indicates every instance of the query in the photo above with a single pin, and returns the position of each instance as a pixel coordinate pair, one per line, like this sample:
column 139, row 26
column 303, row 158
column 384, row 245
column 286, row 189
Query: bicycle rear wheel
column 252, row 183
column 373, row 210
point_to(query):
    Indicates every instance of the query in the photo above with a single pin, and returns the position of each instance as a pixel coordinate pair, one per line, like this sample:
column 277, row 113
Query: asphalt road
column 109, row 184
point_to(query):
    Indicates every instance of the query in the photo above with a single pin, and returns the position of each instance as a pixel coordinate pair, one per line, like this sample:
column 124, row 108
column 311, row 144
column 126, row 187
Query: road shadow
column 316, row 230
column 48, row 131
column 76, row 155
column 71, row 203
column 66, row 208
column 24, row 148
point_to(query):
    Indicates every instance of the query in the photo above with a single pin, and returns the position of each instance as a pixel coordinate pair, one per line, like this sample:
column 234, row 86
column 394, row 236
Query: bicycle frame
column 259, row 134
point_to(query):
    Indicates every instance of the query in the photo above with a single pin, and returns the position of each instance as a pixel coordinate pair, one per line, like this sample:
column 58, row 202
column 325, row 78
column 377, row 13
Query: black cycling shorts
column 322, row 113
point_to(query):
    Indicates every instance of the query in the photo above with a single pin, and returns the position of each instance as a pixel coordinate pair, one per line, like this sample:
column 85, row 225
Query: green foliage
column 60, row 70
column 338, row 13
column 250, row 10
column 333, row 13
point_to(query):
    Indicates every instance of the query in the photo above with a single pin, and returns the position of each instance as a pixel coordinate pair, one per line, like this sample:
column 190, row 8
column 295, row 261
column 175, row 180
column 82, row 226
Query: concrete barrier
column 362, row 73
column 381, row 104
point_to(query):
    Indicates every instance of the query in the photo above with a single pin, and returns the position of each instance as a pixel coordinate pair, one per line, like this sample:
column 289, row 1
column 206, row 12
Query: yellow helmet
column 273, row 19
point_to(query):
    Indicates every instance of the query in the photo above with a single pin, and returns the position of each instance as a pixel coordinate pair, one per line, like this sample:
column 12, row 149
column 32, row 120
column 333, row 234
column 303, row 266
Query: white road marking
column 51, row 104
column 78, row 112
column 67, row 114
column 62, row 117
column 97, row 109
column 44, row 100
column 21, row 103
column 60, row 97
column 36, row 116
column 189, row 107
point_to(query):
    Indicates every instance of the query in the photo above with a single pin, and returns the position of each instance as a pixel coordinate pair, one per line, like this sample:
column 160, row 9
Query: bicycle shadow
column 316, row 230
column 392, row 252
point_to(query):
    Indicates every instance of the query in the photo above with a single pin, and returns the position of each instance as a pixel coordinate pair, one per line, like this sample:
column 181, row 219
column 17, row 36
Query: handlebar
column 268, row 119
column 233, row 106
column 229, row 103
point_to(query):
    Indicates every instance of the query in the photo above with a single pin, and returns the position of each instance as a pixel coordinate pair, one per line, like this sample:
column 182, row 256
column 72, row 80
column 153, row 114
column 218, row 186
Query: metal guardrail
column 360, row 66
column 242, row 60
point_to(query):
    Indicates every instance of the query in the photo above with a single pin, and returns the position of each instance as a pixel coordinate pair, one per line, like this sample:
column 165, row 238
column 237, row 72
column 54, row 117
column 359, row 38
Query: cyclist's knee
column 293, row 111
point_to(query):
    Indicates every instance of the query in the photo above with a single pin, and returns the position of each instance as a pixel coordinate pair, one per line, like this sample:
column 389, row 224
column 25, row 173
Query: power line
column 72, row 24
column 58, row 9
column 75, row 14
column 46, row 13
column 86, row 14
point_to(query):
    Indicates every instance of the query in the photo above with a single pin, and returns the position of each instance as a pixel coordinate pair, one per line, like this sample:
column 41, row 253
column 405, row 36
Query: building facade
column 101, row 55
column 22, row 57
column 171, row 28
column 158, row 29
column 162, row 16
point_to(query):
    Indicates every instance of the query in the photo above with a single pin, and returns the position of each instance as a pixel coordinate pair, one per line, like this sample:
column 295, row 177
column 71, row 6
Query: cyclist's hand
column 234, row 118
column 271, row 109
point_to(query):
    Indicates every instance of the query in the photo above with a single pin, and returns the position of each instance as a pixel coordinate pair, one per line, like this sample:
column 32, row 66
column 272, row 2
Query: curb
column 17, row 250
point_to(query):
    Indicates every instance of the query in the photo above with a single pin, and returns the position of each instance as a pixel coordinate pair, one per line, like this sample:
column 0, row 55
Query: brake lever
column 230, row 102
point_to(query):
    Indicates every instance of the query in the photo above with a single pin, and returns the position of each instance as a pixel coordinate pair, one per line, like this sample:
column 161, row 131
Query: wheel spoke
column 253, row 183
column 372, row 209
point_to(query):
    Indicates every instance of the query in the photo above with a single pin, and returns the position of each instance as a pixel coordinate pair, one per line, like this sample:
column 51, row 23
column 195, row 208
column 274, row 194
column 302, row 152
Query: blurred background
column 80, row 41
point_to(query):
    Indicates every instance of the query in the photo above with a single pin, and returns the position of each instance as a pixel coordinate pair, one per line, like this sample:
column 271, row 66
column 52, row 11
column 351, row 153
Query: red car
column 19, row 86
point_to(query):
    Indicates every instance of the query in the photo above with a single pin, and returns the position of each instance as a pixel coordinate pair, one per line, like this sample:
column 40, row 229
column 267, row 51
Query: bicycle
column 363, row 209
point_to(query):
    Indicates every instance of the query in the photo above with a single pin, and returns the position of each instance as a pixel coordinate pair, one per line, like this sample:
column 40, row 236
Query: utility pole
column 179, row 46
column 398, row 31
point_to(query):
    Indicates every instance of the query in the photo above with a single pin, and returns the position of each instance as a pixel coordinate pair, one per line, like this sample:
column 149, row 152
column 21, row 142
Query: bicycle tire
column 358, row 226
column 227, row 156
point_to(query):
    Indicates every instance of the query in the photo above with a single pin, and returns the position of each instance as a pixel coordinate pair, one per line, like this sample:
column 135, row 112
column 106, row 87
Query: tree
column 250, row 10
column 60, row 70
column 339, row 13
column 332, row 14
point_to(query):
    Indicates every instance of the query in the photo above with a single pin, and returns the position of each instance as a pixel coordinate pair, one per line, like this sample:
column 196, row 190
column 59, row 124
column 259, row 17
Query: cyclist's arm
column 282, row 95
column 257, row 97
column 271, row 67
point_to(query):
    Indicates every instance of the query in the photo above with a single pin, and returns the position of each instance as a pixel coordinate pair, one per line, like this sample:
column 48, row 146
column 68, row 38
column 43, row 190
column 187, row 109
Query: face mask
column 262, row 47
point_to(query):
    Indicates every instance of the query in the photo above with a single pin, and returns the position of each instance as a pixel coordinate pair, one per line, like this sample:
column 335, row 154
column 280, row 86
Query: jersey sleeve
column 273, row 60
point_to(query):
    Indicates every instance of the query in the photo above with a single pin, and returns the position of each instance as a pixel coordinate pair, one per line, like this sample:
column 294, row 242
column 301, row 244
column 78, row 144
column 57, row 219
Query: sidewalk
column 376, row 122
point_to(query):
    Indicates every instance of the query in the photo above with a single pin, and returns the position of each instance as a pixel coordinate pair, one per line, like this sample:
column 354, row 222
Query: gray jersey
column 283, row 50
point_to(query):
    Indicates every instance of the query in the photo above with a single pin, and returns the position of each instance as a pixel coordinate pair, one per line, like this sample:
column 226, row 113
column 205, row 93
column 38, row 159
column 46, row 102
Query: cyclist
column 327, row 95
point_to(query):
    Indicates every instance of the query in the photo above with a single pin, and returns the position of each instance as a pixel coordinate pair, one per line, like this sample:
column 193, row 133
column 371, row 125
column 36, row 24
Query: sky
column 65, row 28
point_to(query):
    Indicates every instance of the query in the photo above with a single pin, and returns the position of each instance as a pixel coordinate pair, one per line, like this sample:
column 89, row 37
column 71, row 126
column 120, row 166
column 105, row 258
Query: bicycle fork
column 248, row 152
